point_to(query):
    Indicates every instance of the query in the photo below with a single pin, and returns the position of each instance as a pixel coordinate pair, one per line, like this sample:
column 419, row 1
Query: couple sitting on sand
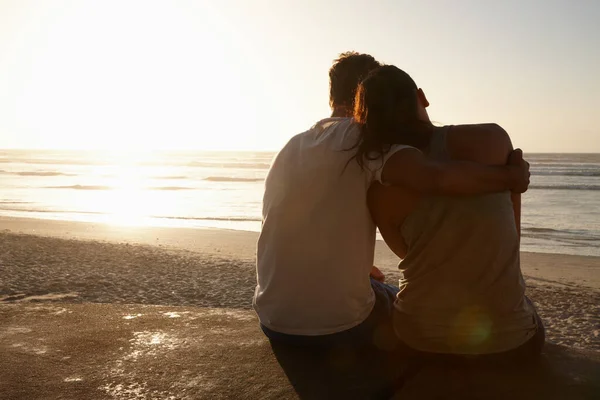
column 446, row 201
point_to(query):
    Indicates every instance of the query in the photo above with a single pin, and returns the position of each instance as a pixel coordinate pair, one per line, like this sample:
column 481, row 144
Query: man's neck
column 341, row 112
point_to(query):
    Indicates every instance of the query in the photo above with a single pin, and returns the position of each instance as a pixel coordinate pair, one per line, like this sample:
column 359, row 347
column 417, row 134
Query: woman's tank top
column 462, row 291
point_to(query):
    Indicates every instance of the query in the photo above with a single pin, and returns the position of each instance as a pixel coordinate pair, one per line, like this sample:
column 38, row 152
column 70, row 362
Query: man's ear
column 422, row 98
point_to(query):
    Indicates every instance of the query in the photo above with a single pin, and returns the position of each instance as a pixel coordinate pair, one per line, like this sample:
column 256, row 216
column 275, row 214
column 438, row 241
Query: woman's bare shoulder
column 486, row 143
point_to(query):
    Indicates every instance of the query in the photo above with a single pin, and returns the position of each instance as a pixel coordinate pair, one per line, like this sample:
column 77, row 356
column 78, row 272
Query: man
column 316, row 248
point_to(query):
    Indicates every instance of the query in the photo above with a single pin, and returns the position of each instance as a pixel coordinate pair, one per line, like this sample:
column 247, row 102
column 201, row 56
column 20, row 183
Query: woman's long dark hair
column 386, row 110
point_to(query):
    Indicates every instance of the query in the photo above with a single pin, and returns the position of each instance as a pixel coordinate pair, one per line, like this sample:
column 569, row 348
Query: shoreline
column 530, row 242
column 545, row 268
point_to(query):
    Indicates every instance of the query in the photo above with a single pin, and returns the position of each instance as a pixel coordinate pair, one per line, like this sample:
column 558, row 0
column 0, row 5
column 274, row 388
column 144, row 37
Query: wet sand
column 113, row 351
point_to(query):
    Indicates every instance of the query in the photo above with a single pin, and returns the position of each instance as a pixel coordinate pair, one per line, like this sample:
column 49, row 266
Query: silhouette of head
column 390, row 109
column 347, row 71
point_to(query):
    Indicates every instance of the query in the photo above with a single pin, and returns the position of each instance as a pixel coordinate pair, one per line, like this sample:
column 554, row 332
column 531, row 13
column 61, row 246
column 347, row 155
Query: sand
column 548, row 269
column 97, row 351
column 80, row 262
column 66, row 264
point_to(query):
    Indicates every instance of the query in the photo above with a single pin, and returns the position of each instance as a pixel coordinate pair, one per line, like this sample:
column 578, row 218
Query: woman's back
column 462, row 291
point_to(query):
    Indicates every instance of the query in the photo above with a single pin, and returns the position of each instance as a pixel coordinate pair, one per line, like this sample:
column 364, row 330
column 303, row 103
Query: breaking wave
column 232, row 179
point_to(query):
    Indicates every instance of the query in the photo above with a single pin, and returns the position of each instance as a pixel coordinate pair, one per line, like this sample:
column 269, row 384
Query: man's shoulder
column 341, row 129
column 327, row 142
column 333, row 122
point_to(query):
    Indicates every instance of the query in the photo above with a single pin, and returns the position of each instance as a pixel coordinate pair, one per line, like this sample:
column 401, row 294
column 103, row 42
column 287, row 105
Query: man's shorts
column 376, row 331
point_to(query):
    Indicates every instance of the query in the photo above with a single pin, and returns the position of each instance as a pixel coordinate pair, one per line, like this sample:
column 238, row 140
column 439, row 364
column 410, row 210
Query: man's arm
column 516, row 201
column 412, row 169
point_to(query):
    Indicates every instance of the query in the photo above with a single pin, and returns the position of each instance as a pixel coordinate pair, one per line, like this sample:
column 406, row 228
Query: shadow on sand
column 563, row 373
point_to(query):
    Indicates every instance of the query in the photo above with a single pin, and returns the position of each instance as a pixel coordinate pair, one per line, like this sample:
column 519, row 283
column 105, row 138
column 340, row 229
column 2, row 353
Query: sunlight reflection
column 129, row 201
column 472, row 327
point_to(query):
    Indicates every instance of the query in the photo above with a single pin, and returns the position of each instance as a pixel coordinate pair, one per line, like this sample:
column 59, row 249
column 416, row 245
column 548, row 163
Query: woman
column 462, row 293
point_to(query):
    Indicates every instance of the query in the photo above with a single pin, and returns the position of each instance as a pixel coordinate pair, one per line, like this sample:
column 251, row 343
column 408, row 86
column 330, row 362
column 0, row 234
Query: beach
column 100, row 311
column 145, row 146
column 75, row 262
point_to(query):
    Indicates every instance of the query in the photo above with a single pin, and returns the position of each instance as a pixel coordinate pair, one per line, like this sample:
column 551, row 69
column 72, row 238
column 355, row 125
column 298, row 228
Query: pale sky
column 248, row 75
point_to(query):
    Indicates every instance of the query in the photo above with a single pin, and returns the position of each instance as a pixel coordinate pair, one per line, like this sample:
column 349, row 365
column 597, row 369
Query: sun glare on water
column 128, row 200
column 125, row 202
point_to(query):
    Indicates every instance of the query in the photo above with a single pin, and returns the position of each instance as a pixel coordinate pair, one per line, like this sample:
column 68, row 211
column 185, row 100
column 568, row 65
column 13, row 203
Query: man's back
column 317, row 242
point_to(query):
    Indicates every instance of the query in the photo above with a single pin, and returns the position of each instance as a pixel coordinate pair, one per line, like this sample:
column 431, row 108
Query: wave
column 172, row 177
column 593, row 172
column 558, row 234
column 563, row 158
column 102, row 187
column 232, row 219
column 545, row 230
column 577, row 238
column 566, row 187
column 41, row 210
column 160, row 162
column 224, row 219
column 81, row 187
column 36, row 173
column 43, row 173
column 241, row 165
column 53, row 161
column 232, row 179
column 170, row 188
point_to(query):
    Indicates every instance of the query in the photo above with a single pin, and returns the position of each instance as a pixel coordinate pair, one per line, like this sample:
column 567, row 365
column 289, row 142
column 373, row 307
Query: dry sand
column 548, row 269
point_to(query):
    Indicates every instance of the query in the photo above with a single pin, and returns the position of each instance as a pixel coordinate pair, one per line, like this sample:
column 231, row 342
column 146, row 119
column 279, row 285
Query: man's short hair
column 347, row 71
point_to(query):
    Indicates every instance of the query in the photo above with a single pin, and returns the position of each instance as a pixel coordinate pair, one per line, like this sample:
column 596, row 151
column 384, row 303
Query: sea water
column 561, row 210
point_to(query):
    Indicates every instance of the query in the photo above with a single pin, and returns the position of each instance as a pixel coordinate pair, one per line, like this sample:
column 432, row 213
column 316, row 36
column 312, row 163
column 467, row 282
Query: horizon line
column 188, row 150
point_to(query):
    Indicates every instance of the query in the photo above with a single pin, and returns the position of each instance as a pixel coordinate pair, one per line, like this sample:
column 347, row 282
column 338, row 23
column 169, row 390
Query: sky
column 248, row 75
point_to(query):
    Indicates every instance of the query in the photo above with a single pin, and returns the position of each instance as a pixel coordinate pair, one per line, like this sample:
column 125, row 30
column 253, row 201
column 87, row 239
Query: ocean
column 561, row 210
